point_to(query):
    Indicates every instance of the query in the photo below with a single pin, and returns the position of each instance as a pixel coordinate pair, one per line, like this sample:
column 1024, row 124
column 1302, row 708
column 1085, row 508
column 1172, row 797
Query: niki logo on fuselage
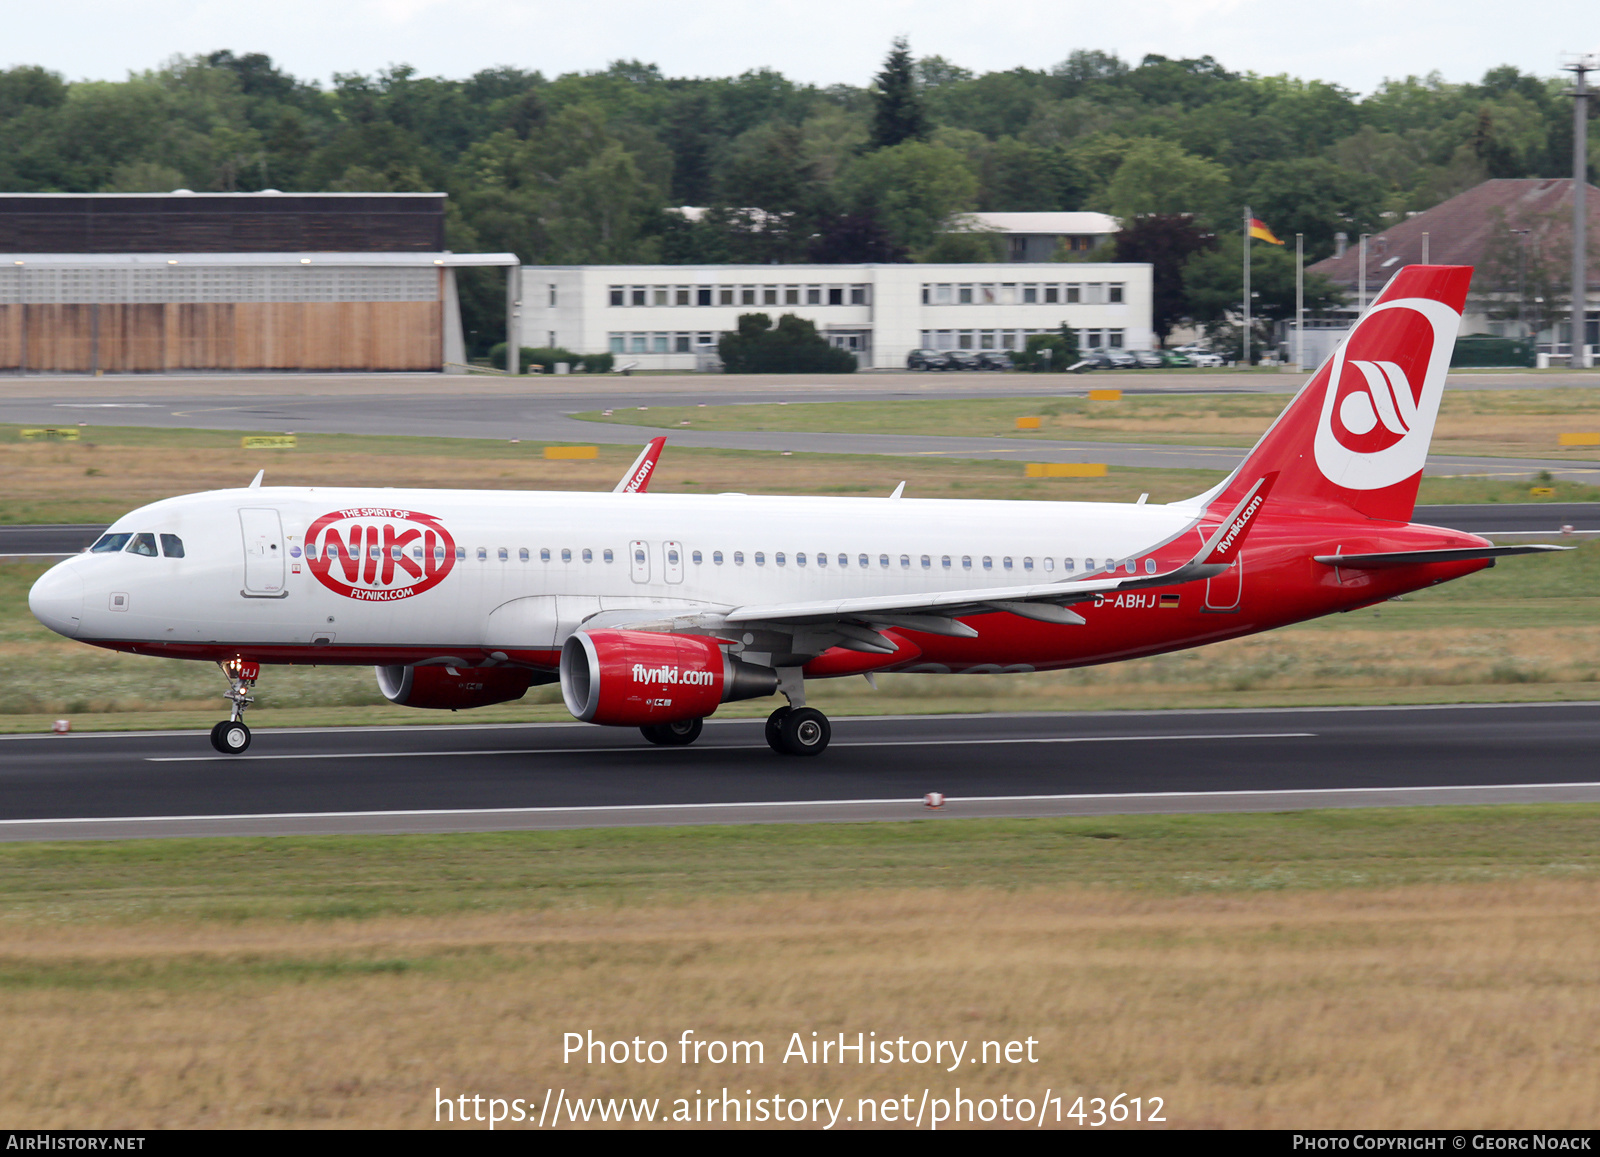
column 377, row 554
column 1383, row 392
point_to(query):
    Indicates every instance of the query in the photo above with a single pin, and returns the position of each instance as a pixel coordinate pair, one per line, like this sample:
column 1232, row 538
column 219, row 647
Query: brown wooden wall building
column 150, row 283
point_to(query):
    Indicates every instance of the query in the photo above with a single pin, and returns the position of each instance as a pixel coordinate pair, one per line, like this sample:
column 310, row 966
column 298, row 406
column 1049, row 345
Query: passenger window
column 566, row 554
column 503, row 554
column 638, row 556
column 1149, row 566
column 883, row 560
column 1049, row 564
column 761, row 558
column 483, row 554
column 1068, row 565
column 522, row 554
column 461, row 552
column 1088, row 564
column 109, row 543
column 172, row 546
column 738, row 558
column 927, row 563
column 1131, row 567
column 864, row 561
column 672, row 557
column 988, row 562
column 608, row 556
column 966, row 562
column 144, row 544
column 777, row 558
column 1027, row 564
column 1006, row 562
column 416, row 552
column 544, row 554
column 374, row 552
column 844, row 560
column 716, row 557
column 800, row 559
column 311, row 550
column 697, row 559
column 905, row 562
column 396, row 553
column 822, row 558
column 588, row 555
column 945, row 562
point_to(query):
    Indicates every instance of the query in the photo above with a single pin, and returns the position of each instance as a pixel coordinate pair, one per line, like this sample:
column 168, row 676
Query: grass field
column 1504, row 423
column 115, row 469
column 1370, row 969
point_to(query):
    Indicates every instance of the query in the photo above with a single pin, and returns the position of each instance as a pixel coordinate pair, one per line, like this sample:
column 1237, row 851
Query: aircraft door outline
column 262, row 532
column 639, row 561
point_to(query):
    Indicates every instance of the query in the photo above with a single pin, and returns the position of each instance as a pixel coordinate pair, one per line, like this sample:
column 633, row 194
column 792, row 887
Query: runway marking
column 798, row 803
column 727, row 747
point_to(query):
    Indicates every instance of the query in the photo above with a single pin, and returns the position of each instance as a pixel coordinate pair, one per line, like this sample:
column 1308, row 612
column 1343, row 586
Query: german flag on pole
column 1259, row 230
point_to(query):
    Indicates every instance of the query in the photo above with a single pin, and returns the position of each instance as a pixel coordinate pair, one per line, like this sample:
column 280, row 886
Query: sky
column 1355, row 43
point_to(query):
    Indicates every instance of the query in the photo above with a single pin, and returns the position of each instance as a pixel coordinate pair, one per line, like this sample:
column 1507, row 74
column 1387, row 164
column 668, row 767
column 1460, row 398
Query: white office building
column 672, row 316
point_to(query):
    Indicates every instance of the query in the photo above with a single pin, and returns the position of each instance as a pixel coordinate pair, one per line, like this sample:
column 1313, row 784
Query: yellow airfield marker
column 1066, row 470
column 268, row 442
column 1580, row 439
column 1105, row 395
column 572, row 452
column 51, row 434
column 1028, row 423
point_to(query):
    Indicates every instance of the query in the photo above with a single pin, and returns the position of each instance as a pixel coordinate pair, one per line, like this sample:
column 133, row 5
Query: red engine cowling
column 633, row 678
column 453, row 688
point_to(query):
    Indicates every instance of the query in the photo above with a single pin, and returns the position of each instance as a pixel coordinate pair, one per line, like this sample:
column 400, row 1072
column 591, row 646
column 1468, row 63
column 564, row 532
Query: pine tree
column 898, row 116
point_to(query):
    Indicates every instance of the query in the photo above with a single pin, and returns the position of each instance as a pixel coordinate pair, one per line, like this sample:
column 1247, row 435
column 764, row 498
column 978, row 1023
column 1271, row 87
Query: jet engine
column 453, row 688
column 637, row 678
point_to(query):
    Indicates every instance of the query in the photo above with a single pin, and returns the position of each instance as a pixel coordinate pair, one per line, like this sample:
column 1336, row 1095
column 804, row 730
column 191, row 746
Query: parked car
column 962, row 360
column 1098, row 360
column 927, row 360
column 1173, row 359
column 1122, row 359
column 1147, row 359
column 1208, row 361
column 995, row 360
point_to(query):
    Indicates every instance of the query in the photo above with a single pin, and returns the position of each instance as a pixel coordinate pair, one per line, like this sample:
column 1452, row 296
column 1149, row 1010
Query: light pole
column 1300, row 302
column 1580, row 65
column 1361, row 290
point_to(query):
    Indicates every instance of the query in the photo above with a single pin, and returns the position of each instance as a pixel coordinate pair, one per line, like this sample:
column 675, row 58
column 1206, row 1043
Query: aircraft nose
column 56, row 600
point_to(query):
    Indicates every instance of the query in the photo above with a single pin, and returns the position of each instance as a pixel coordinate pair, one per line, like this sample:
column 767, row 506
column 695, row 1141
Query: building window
column 964, row 294
column 813, row 295
column 1114, row 338
column 638, row 296
column 835, row 295
column 1074, row 294
column 618, row 343
column 680, row 295
column 791, row 295
column 986, row 294
column 680, row 343
column 618, row 295
column 659, row 343
column 638, row 343
column 964, row 339
column 552, row 297
column 702, row 296
column 986, row 340
column 747, row 295
column 725, row 296
column 1114, row 293
column 1052, row 294
column 663, row 295
column 769, row 295
column 1030, row 295
column 858, row 295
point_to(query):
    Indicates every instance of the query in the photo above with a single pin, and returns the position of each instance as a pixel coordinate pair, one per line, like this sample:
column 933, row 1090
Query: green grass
column 230, row 880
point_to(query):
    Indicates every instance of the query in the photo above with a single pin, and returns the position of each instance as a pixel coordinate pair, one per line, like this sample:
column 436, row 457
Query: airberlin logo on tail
column 378, row 554
column 1383, row 392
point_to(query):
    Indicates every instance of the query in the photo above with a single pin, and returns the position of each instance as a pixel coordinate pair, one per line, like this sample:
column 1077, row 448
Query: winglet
column 255, row 483
column 637, row 479
column 1223, row 545
column 898, row 490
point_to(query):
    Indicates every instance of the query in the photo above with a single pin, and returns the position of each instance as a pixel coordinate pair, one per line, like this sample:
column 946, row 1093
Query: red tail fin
column 1355, row 438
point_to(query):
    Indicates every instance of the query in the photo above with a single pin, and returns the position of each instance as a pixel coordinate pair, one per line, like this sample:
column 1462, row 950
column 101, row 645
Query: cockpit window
column 109, row 543
column 144, row 544
column 171, row 546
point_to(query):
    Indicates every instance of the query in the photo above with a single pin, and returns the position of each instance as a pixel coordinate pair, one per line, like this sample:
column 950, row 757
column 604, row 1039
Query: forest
column 587, row 168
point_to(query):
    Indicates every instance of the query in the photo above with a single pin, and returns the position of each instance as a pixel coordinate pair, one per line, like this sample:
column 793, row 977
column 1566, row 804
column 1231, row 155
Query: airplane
column 652, row 610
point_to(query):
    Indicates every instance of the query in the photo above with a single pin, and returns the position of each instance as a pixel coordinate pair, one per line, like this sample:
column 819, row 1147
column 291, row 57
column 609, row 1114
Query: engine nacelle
column 453, row 688
column 634, row 678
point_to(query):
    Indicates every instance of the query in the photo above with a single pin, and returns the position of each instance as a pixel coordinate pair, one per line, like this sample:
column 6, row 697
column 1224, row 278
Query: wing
column 637, row 479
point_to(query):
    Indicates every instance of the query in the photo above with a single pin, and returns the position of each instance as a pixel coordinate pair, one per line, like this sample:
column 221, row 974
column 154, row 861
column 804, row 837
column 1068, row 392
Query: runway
column 533, row 776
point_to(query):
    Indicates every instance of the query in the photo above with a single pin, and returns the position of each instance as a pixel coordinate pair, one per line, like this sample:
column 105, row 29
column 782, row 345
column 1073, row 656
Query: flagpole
column 1247, row 287
column 1300, row 302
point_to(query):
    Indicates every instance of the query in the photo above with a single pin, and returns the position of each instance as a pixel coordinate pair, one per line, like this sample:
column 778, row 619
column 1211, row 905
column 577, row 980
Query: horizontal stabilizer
column 1422, row 557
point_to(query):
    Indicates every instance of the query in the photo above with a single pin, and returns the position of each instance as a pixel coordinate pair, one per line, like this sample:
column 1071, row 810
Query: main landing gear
column 679, row 734
column 798, row 731
column 231, row 736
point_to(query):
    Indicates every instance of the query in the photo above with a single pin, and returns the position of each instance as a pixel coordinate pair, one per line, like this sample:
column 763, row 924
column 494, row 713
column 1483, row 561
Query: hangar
column 164, row 282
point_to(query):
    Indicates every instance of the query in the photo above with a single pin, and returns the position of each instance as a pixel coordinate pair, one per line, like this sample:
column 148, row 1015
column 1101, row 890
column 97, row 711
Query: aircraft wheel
column 678, row 734
column 775, row 730
column 805, row 731
column 230, row 738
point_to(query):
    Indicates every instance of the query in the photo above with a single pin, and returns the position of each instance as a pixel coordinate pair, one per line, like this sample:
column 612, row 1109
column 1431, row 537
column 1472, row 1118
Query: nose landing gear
column 231, row 736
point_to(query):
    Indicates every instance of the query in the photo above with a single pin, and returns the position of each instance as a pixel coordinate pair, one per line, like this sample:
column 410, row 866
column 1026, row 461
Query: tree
column 897, row 115
column 854, row 239
column 912, row 189
column 1316, row 197
column 1158, row 176
column 792, row 347
column 1050, row 352
column 1165, row 242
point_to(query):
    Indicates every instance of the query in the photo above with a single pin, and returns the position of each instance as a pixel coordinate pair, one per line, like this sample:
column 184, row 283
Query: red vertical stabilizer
column 1355, row 438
